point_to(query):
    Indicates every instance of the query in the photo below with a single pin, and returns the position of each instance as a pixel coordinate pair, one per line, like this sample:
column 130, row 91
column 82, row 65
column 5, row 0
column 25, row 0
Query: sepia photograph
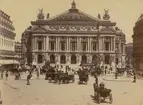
column 71, row 52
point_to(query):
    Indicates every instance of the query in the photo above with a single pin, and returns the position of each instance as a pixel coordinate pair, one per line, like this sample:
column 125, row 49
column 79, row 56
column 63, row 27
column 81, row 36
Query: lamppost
column 116, row 70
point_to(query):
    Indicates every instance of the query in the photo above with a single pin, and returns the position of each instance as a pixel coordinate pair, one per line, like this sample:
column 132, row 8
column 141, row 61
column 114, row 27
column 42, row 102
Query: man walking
column 134, row 81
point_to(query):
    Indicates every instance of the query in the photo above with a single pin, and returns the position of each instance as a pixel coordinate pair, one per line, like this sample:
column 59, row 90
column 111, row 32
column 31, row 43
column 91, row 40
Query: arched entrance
column 63, row 59
column 73, row 59
column 117, row 61
column 94, row 59
column 84, row 59
column 40, row 58
column 52, row 59
column 107, row 59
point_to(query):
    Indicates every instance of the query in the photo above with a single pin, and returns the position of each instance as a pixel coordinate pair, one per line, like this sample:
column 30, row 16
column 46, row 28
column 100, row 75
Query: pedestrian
column 6, row 75
column 95, row 87
column 96, row 78
column 105, row 70
column 134, row 81
column 2, row 75
column 38, row 69
column 28, row 79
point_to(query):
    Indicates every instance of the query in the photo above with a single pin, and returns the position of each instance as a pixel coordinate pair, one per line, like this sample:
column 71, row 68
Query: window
column 73, row 59
column 107, row 59
column 117, row 45
column 40, row 58
column 40, row 45
column 63, row 59
column 63, row 46
column 52, row 59
column 106, row 46
column 117, row 61
column 84, row 59
column 73, row 46
column 52, row 45
column 84, row 46
column 94, row 46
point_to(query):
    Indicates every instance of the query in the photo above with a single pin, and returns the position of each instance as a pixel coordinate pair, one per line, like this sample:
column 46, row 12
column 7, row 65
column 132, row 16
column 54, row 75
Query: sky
column 124, row 12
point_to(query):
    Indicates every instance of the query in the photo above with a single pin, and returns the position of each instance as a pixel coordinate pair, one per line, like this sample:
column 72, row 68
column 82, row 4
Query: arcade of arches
column 77, row 59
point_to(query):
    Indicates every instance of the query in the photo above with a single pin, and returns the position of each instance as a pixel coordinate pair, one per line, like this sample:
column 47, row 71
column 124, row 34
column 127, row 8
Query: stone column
column 56, row 44
column 78, row 43
column 47, row 43
column 89, row 57
column 114, row 43
column 100, row 44
column 68, row 59
column 68, row 43
column 79, row 58
column 36, row 59
column 33, row 43
column 119, row 46
column 120, row 60
column 36, row 43
column 110, row 44
column 44, row 43
column 113, row 64
column 102, row 59
column 103, row 44
column 124, row 49
column 88, row 44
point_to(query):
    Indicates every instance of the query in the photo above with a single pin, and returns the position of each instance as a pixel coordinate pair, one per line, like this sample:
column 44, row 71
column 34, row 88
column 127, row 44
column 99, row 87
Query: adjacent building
column 129, row 54
column 18, row 50
column 138, row 45
column 7, row 37
column 73, row 37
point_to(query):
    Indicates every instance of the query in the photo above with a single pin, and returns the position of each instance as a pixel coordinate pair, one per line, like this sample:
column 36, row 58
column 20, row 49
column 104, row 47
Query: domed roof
column 74, row 14
column 140, row 18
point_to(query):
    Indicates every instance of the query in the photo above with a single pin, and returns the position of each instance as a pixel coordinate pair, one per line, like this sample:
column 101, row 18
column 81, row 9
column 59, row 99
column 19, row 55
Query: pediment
column 107, row 30
column 40, row 29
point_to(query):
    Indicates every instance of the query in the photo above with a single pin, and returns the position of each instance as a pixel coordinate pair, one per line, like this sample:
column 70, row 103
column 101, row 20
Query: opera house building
column 73, row 38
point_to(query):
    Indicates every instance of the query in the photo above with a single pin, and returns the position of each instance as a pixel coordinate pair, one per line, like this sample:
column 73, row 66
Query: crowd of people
column 103, row 70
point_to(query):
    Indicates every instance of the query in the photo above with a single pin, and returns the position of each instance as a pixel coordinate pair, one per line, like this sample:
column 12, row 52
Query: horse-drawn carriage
column 96, row 70
column 83, row 77
column 65, row 77
column 59, row 76
column 102, row 93
column 121, row 71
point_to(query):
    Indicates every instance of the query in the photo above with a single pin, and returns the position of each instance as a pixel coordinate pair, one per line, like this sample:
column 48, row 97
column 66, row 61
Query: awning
column 8, row 62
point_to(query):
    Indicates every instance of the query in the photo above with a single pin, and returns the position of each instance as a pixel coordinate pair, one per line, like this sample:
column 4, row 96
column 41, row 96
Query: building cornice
column 7, row 33
column 92, row 23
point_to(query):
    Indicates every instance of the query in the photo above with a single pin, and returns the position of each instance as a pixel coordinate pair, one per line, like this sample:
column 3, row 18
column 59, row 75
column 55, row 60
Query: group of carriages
column 58, row 76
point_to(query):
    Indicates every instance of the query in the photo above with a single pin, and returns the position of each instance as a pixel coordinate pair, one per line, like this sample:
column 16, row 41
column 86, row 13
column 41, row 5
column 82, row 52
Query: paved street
column 40, row 92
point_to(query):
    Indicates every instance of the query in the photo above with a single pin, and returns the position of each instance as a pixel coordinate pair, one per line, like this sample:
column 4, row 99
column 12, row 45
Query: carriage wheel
column 110, row 98
column 79, row 82
column 55, row 80
column 86, row 83
column 73, row 80
column 59, row 82
column 50, row 79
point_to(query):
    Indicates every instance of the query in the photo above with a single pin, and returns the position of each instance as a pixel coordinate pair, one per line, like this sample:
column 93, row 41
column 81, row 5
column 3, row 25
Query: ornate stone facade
column 138, row 46
column 7, row 39
column 75, row 37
